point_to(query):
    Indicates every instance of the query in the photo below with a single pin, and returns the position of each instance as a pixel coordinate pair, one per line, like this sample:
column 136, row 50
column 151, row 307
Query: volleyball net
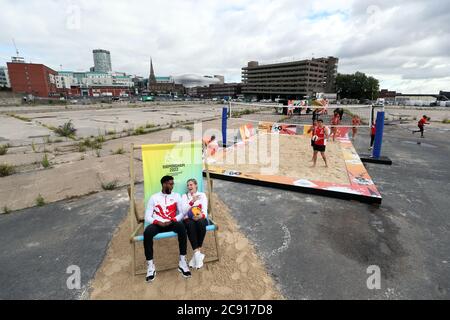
column 302, row 113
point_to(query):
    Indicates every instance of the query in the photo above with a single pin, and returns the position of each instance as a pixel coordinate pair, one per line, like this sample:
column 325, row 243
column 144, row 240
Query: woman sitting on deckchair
column 196, row 207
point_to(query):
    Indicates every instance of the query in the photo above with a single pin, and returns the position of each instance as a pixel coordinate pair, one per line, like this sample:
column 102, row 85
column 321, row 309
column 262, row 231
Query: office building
column 4, row 78
column 102, row 61
column 292, row 80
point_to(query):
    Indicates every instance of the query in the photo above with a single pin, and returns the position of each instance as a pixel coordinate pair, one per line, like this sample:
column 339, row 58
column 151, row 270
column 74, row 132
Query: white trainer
column 199, row 257
column 192, row 262
column 183, row 268
column 151, row 271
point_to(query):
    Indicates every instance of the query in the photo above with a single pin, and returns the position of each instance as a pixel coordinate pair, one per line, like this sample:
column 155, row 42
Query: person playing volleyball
column 335, row 122
column 320, row 137
column 356, row 121
column 311, row 131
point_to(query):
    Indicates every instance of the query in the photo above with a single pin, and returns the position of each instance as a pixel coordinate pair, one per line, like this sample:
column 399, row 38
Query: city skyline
column 374, row 37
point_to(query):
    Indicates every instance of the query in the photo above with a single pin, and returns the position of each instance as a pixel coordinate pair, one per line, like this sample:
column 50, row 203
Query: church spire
column 152, row 78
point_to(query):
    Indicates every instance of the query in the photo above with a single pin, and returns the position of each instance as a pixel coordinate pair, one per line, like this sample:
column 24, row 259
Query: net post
column 224, row 126
column 378, row 135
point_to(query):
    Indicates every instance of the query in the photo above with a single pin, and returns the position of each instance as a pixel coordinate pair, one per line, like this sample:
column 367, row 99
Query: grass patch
column 111, row 132
column 109, row 186
column 40, row 201
column 45, row 163
column 6, row 210
column 33, row 146
column 94, row 144
column 19, row 117
column 120, row 150
column 139, row 131
column 238, row 114
column 3, row 149
column 150, row 126
column 446, row 121
column 190, row 128
column 66, row 130
column 6, row 170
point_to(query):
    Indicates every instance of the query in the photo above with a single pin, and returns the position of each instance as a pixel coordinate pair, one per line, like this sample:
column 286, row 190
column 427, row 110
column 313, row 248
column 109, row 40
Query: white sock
column 182, row 258
column 198, row 253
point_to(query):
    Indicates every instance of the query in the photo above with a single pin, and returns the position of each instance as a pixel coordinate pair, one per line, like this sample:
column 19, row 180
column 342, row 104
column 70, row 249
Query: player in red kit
column 320, row 137
column 335, row 122
column 356, row 121
column 373, row 130
column 421, row 124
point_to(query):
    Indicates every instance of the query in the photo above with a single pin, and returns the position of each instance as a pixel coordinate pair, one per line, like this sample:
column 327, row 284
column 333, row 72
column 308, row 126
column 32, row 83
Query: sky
column 403, row 43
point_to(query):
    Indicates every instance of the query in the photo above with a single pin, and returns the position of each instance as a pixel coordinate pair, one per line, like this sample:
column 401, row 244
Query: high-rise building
column 4, row 78
column 102, row 61
column 294, row 79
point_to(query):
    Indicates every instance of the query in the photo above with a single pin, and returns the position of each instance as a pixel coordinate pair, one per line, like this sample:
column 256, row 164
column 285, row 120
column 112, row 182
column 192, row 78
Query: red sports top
column 422, row 122
column 320, row 133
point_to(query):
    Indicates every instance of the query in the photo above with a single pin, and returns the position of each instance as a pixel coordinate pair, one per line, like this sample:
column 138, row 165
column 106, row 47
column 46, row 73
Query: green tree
column 357, row 86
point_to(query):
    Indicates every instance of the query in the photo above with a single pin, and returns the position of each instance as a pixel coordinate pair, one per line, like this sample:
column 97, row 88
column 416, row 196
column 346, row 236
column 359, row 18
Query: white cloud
column 406, row 44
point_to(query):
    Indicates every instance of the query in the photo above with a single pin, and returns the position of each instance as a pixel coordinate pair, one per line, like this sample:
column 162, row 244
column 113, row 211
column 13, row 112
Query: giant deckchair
column 151, row 154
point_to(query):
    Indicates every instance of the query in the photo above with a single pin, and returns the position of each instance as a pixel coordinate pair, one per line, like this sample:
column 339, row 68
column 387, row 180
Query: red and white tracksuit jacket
column 164, row 208
column 202, row 203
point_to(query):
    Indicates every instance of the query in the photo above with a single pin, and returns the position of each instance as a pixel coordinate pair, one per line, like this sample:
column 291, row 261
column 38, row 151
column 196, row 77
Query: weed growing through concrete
column 6, row 170
column 109, row 185
column 40, row 202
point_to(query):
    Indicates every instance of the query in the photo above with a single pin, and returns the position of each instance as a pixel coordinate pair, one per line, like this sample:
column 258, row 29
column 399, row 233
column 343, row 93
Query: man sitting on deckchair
column 161, row 215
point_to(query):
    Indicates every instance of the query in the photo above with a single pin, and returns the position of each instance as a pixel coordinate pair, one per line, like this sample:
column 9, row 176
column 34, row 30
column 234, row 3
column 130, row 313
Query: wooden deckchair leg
column 210, row 206
column 132, row 208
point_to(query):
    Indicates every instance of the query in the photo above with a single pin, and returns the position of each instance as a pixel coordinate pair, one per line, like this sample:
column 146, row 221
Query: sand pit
column 238, row 275
column 293, row 157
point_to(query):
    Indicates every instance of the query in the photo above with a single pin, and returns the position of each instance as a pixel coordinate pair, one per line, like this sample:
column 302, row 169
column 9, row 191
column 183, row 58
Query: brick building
column 163, row 84
column 30, row 78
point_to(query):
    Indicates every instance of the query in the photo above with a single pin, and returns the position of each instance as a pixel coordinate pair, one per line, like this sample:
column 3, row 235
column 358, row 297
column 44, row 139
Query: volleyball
column 194, row 212
column 315, row 138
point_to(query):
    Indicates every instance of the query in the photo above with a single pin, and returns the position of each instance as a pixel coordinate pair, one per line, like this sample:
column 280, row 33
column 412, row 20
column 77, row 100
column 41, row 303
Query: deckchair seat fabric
column 166, row 235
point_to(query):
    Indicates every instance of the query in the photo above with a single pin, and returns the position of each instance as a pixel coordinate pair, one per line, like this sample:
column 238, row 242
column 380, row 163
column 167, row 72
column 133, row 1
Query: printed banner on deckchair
column 183, row 161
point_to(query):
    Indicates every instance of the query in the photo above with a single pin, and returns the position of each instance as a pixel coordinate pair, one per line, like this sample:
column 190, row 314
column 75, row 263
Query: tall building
column 295, row 79
column 30, row 78
column 4, row 78
column 102, row 61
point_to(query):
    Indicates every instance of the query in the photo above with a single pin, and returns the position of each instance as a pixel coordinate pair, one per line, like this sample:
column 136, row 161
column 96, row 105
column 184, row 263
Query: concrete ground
column 39, row 244
column 320, row 248
column 314, row 247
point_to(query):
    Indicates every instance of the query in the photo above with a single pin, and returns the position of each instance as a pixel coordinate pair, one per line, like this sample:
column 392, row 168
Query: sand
column 238, row 275
column 292, row 154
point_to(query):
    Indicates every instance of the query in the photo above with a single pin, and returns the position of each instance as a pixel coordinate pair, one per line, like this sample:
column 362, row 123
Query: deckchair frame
column 137, row 223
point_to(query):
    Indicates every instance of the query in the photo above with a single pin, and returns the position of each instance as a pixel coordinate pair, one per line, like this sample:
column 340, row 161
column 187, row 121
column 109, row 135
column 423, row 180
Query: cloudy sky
column 404, row 43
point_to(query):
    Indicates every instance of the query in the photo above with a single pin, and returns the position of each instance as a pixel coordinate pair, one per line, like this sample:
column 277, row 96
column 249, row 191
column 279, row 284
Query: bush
column 66, row 130
column 119, row 151
column 138, row 131
column 110, row 185
column 6, row 170
column 40, row 202
column 3, row 149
